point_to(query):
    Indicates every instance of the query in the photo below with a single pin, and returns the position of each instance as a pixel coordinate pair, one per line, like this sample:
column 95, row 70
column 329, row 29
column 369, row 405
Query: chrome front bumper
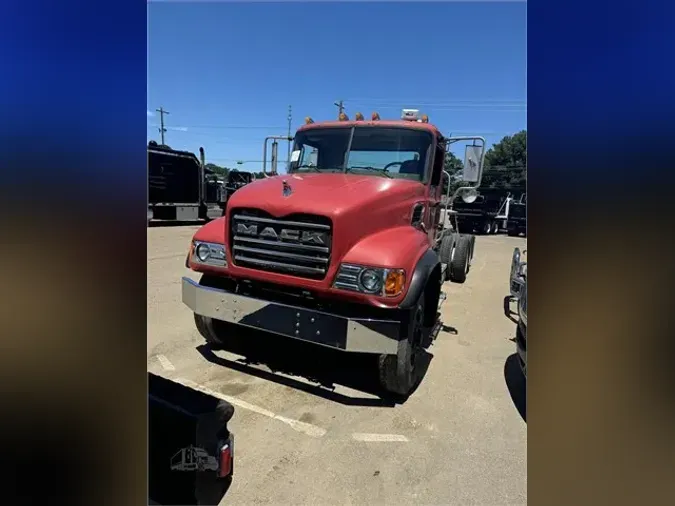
column 333, row 331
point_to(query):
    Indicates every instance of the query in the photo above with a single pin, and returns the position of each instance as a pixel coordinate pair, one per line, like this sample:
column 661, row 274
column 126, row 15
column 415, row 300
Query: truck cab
column 348, row 249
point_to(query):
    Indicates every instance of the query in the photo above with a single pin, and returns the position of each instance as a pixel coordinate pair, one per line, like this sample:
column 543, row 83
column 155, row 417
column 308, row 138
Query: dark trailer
column 180, row 187
column 481, row 215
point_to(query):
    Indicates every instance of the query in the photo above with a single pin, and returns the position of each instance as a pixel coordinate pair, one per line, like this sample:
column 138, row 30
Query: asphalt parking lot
column 310, row 428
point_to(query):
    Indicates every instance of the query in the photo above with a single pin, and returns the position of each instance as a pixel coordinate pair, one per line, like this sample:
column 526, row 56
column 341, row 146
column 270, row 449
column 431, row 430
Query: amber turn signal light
column 394, row 282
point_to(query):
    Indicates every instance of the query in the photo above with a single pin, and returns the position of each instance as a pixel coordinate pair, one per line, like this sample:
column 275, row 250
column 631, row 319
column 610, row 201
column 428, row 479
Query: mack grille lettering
column 296, row 245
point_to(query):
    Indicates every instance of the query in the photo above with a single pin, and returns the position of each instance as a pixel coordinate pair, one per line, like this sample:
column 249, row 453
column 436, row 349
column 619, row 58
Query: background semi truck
column 516, row 222
column 348, row 250
column 236, row 180
column 182, row 188
column 488, row 213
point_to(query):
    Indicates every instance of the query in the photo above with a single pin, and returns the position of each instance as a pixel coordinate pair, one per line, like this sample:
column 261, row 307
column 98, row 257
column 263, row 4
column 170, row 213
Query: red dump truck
column 349, row 249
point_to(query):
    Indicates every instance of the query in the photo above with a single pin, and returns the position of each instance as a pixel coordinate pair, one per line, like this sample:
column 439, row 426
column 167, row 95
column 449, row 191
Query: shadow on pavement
column 324, row 367
column 517, row 384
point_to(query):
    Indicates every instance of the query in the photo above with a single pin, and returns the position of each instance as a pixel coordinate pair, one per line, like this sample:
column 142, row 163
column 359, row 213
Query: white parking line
column 166, row 363
column 380, row 438
column 297, row 425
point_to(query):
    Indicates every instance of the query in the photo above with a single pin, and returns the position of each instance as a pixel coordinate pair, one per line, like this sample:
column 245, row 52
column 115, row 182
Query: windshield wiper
column 384, row 172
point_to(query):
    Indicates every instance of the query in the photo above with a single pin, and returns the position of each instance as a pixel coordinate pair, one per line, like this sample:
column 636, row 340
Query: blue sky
column 227, row 72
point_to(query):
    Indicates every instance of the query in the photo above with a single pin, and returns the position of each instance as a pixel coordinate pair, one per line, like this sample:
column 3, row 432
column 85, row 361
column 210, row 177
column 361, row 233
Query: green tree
column 218, row 170
column 506, row 162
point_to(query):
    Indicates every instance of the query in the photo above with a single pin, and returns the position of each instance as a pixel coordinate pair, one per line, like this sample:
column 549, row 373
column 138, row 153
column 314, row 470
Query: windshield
column 379, row 151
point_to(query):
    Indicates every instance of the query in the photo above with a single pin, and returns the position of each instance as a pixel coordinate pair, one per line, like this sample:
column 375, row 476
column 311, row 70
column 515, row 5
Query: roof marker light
column 308, row 120
column 358, row 116
column 375, row 117
column 343, row 117
column 410, row 114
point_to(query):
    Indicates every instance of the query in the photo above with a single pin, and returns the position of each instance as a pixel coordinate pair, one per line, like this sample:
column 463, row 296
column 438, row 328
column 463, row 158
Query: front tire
column 213, row 331
column 400, row 373
column 206, row 327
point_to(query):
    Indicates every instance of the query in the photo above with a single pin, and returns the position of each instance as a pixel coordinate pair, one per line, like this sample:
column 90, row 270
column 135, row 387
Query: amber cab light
column 394, row 282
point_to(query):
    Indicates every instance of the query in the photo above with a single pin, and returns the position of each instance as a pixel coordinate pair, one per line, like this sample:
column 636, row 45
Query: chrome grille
column 299, row 245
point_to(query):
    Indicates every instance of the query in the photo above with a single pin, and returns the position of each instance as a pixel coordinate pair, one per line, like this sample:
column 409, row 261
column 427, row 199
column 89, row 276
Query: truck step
column 436, row 328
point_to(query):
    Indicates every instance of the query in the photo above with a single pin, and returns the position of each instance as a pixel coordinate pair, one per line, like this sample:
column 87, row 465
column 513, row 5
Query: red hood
column 358, row 205
column 330, row 195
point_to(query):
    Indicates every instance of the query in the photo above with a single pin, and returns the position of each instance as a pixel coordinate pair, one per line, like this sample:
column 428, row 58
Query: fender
column 213, row 231
column 401, row 247
column 418, row 280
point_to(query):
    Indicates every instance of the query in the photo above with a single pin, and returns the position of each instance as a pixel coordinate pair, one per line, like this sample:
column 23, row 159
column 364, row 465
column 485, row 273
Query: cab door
column 434, row 222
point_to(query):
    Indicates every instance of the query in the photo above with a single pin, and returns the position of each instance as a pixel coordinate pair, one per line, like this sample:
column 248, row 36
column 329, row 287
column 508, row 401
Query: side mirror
column 472, row 161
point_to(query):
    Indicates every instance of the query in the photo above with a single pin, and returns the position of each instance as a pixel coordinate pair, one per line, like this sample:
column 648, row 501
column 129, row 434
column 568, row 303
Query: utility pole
column 340, row 105
column 162, row 130
column 288, row 158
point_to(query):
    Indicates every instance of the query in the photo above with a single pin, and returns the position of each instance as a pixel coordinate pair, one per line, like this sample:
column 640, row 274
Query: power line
column 440, row 101
column 162, row 130
column 237, row 127
column 340, row 105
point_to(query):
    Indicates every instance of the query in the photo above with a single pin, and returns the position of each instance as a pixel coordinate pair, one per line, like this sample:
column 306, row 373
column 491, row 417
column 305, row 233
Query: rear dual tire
column 456, row 252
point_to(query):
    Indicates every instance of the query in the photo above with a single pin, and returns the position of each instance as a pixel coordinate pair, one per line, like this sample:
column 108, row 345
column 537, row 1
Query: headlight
column 370, row 280
column 209, row 253
column 518, row 273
